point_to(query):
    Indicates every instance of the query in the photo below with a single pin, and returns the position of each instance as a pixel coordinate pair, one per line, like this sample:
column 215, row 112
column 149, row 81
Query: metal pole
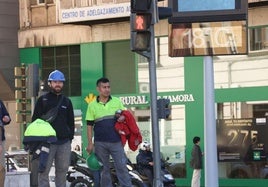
column 153, row 94
column 211, row 164
column 155, row 125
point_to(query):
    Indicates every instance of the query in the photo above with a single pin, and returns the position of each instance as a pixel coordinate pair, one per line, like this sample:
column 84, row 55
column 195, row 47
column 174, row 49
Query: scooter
column 79, row 175
column 135, row 178
column 166, row 176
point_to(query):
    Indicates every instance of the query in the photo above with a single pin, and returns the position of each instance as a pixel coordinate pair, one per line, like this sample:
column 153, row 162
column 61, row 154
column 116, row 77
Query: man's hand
column 121, row 118
column 89, row 148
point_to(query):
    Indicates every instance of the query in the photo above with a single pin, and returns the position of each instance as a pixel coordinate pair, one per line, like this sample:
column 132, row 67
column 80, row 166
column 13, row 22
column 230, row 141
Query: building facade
column 9, row 53
column 9, row 58
column 88, row 39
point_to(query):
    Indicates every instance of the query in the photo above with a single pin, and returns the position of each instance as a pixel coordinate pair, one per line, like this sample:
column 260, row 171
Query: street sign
column 211, row 27
column 208, row 38
column 207, row 10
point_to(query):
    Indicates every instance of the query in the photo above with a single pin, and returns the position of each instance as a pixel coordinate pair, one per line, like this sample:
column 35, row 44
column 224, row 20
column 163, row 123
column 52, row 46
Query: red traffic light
column 140, row 31
column 140, row 25
column 140, row 22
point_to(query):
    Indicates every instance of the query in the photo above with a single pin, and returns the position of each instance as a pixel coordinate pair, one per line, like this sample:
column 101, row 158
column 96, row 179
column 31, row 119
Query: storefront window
column 120, row 66
column 171, row 136
column 242, row 129
column 77, row 140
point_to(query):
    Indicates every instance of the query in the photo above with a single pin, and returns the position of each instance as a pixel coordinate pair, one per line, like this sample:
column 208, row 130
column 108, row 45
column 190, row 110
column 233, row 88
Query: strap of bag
column 51, row 114
column 58, row 105
column 61, row 99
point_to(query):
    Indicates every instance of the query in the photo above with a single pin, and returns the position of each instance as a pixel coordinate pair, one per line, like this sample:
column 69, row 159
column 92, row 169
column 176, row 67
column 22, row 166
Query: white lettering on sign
column 134, row 100
column 94, row 13
column 179, row 98
column 142, row 99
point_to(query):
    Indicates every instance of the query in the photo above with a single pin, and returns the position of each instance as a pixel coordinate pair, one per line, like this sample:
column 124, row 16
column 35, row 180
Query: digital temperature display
column 208, row 38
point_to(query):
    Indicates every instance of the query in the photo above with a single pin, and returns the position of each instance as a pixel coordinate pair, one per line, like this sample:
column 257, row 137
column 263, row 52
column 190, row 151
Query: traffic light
column 164, row 12
column 140, row 25
column 23, row 105
column 163, row 108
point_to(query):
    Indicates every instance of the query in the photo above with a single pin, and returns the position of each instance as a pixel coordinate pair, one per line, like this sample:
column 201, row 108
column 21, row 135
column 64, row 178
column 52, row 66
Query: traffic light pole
column 154, row 118
column 153, row 95
column 144, row 14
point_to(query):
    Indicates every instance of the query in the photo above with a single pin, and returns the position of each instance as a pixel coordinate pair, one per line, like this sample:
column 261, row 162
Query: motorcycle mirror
column 129, row 167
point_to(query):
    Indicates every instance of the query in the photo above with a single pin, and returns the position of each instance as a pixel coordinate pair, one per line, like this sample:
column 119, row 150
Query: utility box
column 18, row 173
column 18, row 179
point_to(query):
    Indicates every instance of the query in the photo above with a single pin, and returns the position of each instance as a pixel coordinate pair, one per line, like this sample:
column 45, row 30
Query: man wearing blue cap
column 63, row 124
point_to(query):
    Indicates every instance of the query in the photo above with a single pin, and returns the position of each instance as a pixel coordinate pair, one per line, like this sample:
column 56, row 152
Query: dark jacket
column 143, row 159
column 37, row 138
column 3, row 112
column 64, row 122
column 196, row 160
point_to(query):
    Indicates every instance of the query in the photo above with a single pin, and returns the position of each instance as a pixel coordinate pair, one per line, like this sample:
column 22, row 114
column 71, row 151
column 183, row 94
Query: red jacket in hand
column 129, row 131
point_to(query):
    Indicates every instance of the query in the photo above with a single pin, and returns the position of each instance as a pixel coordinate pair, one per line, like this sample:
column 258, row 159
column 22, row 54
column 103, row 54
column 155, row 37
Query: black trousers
column 149, row 173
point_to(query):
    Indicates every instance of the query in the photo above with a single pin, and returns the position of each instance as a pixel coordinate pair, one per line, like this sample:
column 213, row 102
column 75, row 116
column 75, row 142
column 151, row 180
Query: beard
column 57, row 89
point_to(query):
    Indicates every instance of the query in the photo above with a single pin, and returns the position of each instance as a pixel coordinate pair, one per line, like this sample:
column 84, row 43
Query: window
column 258, row 37
column 41, row 1
column 67, row 60
column 50, row 1
column 119, row 65
column 242, row 139
column 172, row 136
column 33, row 2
